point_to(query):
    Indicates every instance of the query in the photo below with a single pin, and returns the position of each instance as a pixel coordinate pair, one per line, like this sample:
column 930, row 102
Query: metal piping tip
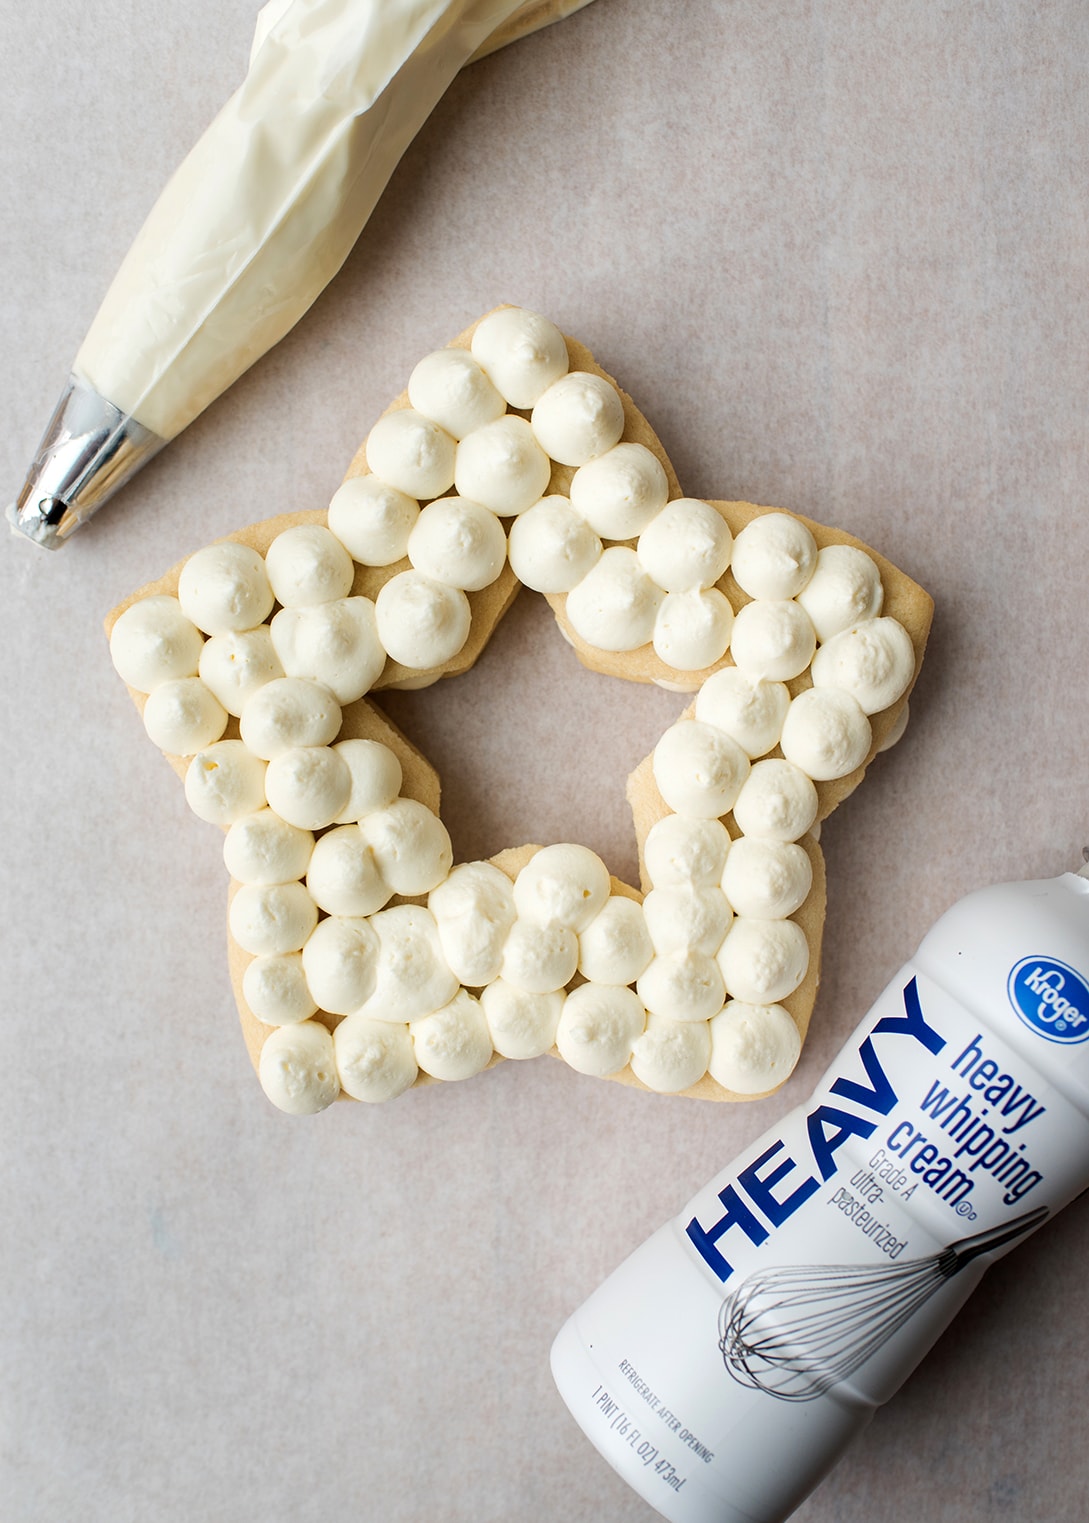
column 89, row 449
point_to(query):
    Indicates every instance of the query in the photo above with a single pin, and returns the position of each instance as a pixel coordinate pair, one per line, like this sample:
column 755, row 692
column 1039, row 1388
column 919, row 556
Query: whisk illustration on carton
column 724, row 1367
column 796, row 1332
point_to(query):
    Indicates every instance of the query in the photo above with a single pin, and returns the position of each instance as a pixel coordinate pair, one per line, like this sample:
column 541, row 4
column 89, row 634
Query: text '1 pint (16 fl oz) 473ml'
column 725, row 1366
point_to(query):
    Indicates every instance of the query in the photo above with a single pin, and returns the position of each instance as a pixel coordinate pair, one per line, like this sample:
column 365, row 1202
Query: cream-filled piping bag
column 252, row 226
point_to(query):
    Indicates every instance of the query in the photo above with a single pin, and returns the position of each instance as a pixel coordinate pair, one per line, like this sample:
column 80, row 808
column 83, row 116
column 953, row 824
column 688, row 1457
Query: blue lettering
column 760, row 1188
column 912, row 1023
column 880, row 1097
column 737, row 1215
column 829, row 1129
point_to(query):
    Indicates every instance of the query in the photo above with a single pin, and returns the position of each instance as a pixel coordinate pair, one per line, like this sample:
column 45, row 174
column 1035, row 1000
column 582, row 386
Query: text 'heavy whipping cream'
column 723, row 1368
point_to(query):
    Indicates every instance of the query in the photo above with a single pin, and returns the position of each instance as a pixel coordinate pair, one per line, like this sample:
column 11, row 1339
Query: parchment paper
column 838, row 254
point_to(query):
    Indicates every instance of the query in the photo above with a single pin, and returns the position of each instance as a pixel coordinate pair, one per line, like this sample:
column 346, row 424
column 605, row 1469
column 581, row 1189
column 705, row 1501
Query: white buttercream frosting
column 340, row 961
column 699, row 769
column 458, row 542
column 297, row 1068
column 275, row 989
column 308, row 786
column 333, row 643
column 224, row 782
column 502, row 466
column 680, row 850
column 411, row 845
column 183, row 715
column 686, row 546
column 422, row 623
column 615, row 605
column 750, row 711
column 411, row 453
column 372, row 520
column 562, row 885
column 753, row 1047
column 692, row 629
column 598, row 1026
column 307, row 564
column 551, row 547
column 289, row 712
column 620, row 492
column 343, row 877
column 682, row 915
column 454, row 1042
column 272, row 917
column 615, row 947
column 766, row 880
column 474, row 910
column 762, row 961
column 685, row 985
column 234, row 666
column 897, row 732
column 845, row 589
column 873, row 661
column 521, row 352
column 671, row 1055
column 451, row 388
column 412, row 978
column 375, row 1059
column 774, row 556
column 777, row 802
column 375, row 774
column 826, row 733
column 263, row 848
column 539, row 958
column 772, row 640
column 224, row 588
column 153, row 642
column 522, row 1025
column 578, row 418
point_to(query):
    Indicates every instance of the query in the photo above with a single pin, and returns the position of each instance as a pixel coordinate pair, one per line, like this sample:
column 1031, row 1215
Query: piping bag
column 252, row 226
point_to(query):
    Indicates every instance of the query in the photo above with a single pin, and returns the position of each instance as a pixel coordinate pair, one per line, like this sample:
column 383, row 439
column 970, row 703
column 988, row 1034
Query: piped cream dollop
column 825, row 733
column 845, row 589
column 774, row 556
column 307, row 564
column 521, row 352
column 474, row 910
column 686, row 546
column 873, row 661
column 502, row 466
column 153, row 642
column 372, row 520
column 620, row 492
column 411, row 453
column 451, row 388
column 598, row 1027
column 224, row 588
column 616, row 604
column 422, row 623
column 699, row 770
column 551, row 547
column 375, row 1059
column 458, row 542
column 754, row 1048
column 297, row 1068
column 578, row 418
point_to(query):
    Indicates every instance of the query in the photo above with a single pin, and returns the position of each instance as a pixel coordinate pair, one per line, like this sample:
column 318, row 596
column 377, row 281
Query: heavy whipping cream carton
column 727, row 1363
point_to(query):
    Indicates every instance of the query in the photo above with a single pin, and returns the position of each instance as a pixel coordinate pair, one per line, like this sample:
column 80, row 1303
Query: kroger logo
column 1051, row 998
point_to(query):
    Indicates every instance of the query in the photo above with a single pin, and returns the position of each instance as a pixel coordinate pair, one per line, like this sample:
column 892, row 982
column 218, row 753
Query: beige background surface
column 838, row 253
